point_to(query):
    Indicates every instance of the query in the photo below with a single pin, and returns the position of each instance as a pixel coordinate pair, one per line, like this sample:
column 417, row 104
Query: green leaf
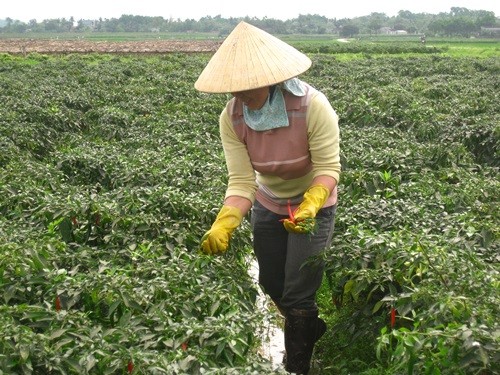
column 349, row 285
column 113, row 307
column 66, row 229
column 377, row 306
column 9, row 292
column 24, row 352
column 57, row 333
column 215, row 306
column 73, row 364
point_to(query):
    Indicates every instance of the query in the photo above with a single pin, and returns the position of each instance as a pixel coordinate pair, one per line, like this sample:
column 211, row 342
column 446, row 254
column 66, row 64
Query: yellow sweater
column 323, row 145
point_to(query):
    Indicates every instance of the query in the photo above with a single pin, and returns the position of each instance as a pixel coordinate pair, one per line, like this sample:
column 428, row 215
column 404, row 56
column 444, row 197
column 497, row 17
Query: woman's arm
column 241, row 203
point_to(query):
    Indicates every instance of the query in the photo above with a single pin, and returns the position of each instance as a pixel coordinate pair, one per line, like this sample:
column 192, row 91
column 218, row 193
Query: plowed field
column 24, row 46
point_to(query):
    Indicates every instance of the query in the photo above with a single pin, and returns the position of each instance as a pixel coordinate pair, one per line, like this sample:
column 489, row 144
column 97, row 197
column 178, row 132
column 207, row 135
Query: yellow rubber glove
column 302, row 219
column 216, row 240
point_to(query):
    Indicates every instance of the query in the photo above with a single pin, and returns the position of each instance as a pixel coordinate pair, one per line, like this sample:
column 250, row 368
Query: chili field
column 111, row 170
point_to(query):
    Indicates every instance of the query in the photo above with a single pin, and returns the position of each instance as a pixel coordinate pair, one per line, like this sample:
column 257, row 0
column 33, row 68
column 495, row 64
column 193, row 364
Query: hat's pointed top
column 250, row 58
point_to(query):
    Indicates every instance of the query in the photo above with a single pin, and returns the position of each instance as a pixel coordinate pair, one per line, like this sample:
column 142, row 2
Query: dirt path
column 273, row 345
column 46, row 46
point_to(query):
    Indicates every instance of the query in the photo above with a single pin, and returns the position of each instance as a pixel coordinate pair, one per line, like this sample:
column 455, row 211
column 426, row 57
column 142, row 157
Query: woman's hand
column 302, row 219
column 216, row 240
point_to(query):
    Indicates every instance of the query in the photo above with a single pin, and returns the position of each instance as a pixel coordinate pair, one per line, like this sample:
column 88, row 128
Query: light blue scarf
column 273, row 114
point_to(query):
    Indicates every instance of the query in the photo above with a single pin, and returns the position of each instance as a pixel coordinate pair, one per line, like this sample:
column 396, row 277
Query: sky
column 25, row 10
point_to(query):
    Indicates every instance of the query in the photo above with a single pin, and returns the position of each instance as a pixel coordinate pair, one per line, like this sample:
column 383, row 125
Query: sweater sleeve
column 324, row 139
column 240, row 170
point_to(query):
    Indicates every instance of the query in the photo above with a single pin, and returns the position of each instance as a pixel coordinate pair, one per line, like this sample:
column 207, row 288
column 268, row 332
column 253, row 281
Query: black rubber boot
column 321, row 329
column 302, row 329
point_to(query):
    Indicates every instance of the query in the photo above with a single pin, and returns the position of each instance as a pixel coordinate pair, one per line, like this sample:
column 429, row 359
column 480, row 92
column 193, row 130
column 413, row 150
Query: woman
column 281, row 143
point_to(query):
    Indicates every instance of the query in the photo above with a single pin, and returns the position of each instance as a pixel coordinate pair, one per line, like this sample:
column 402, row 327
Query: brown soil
column 25, row 46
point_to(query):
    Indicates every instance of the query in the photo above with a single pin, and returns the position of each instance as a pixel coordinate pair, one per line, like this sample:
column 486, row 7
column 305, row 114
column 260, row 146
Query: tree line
column 457, row 22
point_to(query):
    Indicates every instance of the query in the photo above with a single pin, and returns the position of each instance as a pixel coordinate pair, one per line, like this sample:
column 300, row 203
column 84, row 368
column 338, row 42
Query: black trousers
column 290, row 270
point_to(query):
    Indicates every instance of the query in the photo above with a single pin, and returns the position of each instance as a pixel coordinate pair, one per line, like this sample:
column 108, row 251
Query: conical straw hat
column 250, row 58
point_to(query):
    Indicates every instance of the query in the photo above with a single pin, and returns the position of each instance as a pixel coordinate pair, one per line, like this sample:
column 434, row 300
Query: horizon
column 260, row 9
column 236, row 17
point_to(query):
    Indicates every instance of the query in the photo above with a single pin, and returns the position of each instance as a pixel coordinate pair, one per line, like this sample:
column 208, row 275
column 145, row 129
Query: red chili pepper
column 290, row 213
column 130, row 366
column 393, row 317
column 74, row 221
column 58, row 303
column 184, row 346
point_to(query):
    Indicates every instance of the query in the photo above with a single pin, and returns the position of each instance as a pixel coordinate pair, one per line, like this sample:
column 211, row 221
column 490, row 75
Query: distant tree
column 404, row 21
column 80, row 25
column 349, row 30
column 112, row 25
column 463, row 26
column 485, row 19
column 69, row 24
column 18, row 27
column 459, row 11
column 453, row 26
column 376, row 21
column 208, row 24
column 277, row 26
column 99, row 24
column 459, row 21
column 51, row 25
column 310, row 24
